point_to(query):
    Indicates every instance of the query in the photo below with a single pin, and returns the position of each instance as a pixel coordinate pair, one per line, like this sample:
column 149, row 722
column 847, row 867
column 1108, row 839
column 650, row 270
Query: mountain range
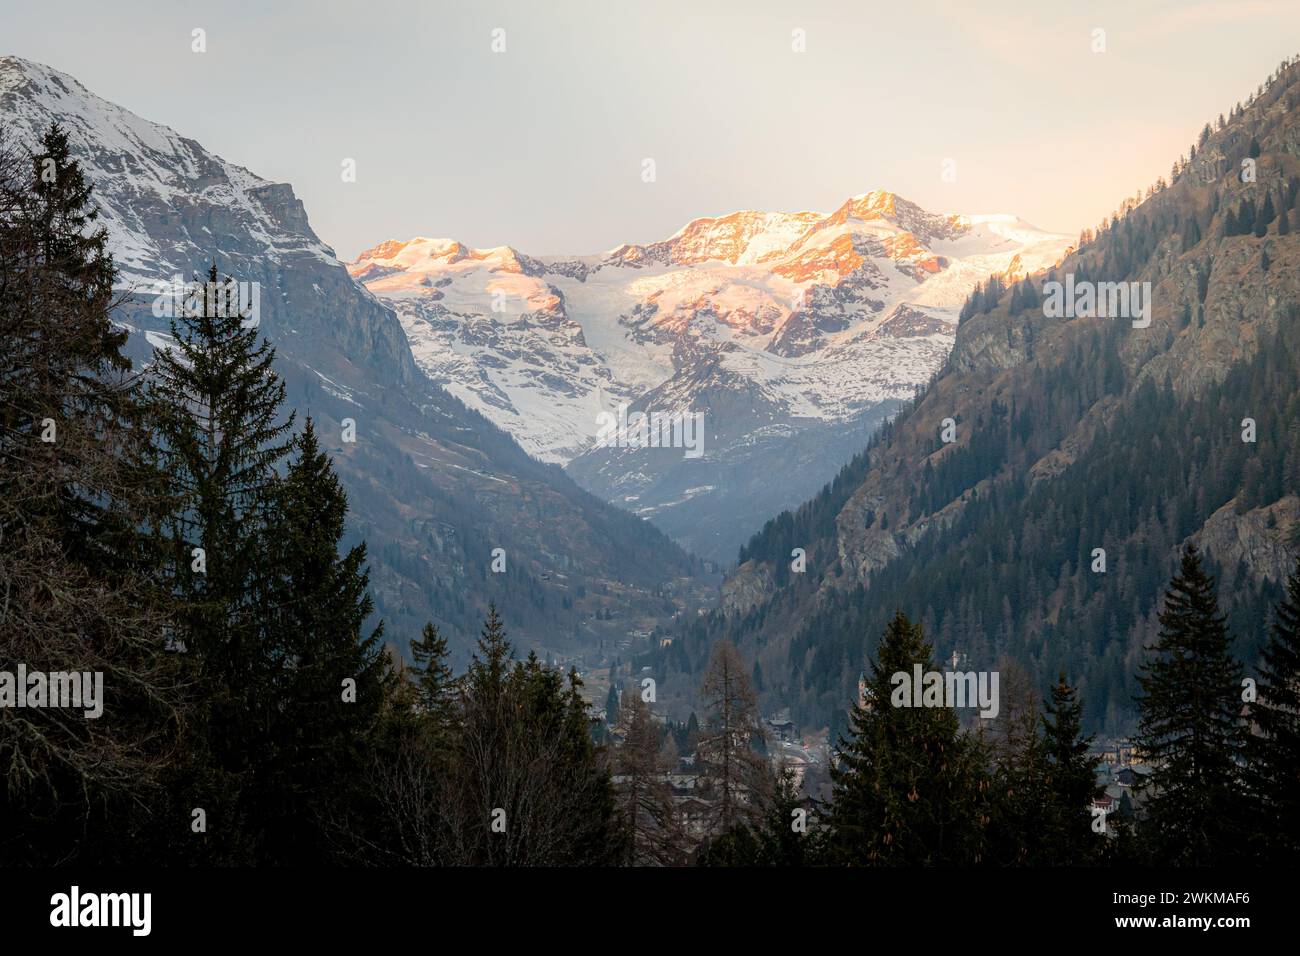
column 795, row 335
column 940, row 442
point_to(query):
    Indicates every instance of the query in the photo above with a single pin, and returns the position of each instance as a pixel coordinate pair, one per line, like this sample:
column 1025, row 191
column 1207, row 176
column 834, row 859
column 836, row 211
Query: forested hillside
column 1068, row 435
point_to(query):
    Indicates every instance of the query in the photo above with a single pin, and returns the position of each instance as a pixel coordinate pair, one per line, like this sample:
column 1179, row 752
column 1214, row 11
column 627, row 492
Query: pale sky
column 541, row 146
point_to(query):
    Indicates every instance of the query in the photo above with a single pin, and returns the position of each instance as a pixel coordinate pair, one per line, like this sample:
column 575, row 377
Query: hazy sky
column 541, row 146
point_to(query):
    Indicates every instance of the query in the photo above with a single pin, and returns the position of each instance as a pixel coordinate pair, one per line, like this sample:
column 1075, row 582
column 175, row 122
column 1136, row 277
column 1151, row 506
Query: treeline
column 1218, row 782
column 173, row 534
column 175, row 531
column 1016, row 573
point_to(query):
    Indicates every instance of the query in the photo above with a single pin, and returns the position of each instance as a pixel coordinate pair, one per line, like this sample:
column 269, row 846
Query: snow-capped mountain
column 794, row 333
column 171, row 208
column 434, row 487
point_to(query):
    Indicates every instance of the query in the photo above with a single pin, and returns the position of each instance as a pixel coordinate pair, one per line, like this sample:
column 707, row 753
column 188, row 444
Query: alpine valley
column 795, row 335
column 828, row 354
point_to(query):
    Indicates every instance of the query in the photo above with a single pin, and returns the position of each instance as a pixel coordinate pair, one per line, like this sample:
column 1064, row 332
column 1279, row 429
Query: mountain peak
column 878, row 202
column 13, row 68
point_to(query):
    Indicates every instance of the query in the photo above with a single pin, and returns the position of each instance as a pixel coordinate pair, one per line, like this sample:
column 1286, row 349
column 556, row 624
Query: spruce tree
column 786, row 834
column 1071, row 778
column 216, row 402
column 1273, row 751
column 908, row 784
column 780, row 835
column 491, row 663
column 79, row 495
column 326, row 672
column 1190, row 728
column 436, row 687
column 611, row 705
column 1021, row 793
column 483, row 761
column 530, row 788
column 588, row 814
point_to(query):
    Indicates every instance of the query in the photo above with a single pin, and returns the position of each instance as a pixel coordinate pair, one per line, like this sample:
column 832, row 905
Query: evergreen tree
column 491, row 663
column 908, row 784
column 1190, row 729
column 611, row 705
column 216, row 403
column 1071, row 778
column 783, row 834
column 327, row 674
column 588, row 815
column 788, row 835
column 531, row 789
column 436, row 687
column 1273, row 766
column 79, row 496
column 1021, row 793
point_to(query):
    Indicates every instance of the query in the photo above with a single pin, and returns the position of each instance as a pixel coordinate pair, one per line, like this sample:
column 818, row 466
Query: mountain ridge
column 1067, row 436
column 794, row 333
column 434, row 486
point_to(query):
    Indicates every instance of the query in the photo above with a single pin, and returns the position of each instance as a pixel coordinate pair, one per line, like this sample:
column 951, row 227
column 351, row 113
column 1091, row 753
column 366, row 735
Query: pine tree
column 79, row 495
column 1273, row 752
column 328, row 675
column 1020, row 784
column 1071, row 779
column 1190, row 729
column 216, row 403
column 436, row 687
column 909, row 787
column 611, row 705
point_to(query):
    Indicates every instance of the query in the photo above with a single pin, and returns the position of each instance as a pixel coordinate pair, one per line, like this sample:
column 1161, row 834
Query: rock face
column 433, row 486
column 1257, row 539
column 794, row 334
